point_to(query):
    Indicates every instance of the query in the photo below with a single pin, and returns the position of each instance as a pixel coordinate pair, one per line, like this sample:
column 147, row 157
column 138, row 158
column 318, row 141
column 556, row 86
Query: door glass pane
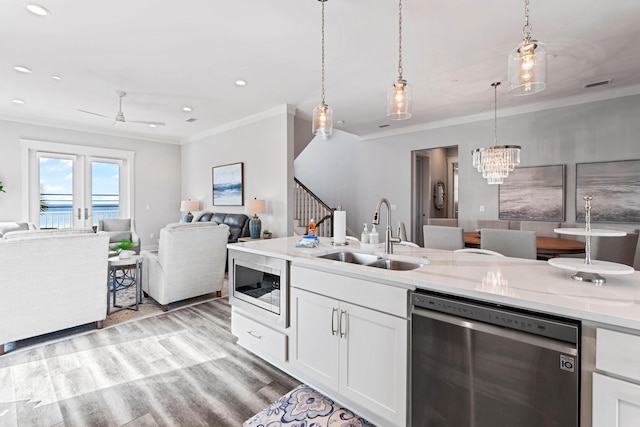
column 105, row 191
column 56, row 192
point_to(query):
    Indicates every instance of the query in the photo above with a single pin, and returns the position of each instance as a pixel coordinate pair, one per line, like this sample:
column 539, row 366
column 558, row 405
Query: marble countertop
column 533, row 285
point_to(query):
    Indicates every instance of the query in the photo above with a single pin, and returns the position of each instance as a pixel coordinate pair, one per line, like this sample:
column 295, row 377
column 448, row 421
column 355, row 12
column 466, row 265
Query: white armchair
column 190, row 262
column 118, row 229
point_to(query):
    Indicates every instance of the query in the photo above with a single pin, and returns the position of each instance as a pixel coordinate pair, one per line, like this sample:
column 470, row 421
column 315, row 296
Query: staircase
column 307, row 206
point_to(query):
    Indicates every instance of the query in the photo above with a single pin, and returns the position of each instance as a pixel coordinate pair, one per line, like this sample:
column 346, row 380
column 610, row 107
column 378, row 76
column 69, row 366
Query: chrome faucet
column 389, row 239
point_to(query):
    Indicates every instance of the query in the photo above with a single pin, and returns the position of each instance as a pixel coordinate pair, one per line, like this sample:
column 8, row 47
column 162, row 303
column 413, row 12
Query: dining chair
column 493, row 223
column 443, row 237
column 542, row 228
column 511, row 243
column 615, row 249
column 447, row 222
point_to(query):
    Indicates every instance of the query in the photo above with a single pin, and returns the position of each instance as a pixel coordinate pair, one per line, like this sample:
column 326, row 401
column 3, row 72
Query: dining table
column 546, row 247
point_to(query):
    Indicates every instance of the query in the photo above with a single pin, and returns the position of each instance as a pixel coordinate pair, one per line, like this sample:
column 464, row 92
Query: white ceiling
column 167, row 54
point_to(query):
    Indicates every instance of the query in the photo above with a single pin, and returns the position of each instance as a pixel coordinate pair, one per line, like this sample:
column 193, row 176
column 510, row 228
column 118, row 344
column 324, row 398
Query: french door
column 75, row 186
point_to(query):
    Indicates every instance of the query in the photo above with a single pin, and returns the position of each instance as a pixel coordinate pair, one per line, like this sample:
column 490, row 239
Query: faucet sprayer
column 389, row 240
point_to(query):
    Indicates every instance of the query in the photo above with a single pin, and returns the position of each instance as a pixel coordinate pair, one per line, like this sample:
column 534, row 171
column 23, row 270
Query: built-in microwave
column 258, row 285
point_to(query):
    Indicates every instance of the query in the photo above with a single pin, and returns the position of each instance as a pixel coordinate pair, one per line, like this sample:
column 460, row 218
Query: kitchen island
column 346, row 289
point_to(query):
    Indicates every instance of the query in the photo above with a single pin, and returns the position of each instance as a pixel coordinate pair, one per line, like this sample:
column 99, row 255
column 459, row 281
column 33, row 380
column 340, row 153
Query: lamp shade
column 255, row 206
column 189, row 205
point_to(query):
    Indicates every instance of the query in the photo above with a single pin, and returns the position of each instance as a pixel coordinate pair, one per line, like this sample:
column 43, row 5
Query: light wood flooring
column 180, row 368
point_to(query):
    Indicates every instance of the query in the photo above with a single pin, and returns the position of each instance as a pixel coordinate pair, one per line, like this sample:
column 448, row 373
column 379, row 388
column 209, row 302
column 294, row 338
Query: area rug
column 306, row 407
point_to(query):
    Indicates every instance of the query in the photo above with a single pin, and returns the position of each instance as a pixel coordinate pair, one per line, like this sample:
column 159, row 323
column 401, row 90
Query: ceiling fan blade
column 96, row 114
column 147, row 122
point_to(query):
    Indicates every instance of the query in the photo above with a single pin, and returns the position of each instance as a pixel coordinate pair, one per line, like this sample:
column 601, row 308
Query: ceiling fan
column 120, row 115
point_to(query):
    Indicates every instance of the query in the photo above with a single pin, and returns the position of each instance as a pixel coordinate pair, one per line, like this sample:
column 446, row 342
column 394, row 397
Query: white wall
column 344, row 170
column 266, row 149
column 156, row 173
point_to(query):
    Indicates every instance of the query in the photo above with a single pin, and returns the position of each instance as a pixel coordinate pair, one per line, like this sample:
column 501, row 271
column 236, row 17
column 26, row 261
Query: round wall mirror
column 439, row 195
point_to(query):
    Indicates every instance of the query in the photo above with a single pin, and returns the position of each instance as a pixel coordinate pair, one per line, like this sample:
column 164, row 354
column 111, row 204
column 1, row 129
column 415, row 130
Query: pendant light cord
column 323, row 1
column 526, row 30
column 400, row 40
column 495, row 112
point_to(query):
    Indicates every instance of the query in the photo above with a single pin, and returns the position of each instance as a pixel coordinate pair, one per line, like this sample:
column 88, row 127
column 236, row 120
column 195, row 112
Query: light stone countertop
column 533, row 285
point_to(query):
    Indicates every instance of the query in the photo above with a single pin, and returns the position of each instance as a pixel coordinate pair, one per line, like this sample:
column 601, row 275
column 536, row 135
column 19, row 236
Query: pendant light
column 399, row 98
column 527, row 63
column 322, row 113
column 497, row 161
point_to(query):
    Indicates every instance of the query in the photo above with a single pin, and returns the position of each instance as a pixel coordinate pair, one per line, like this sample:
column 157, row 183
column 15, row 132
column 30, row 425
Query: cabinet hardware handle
column 343, row 333
column 79, row 213
column 334, row 315
column 253, row 334
column 86, row 213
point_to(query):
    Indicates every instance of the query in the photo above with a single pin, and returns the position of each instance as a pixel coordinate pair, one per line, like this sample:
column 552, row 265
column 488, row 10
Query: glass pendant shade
column 495, row 163
column 528, row 68
column 399, row 101
column 322, row 122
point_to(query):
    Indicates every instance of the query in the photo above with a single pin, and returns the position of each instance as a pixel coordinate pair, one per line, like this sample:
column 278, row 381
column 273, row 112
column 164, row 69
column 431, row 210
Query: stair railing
column 307, row 206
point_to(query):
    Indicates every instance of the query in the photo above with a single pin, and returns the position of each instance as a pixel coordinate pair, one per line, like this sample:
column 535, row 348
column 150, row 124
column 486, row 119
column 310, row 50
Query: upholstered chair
column 493, row 223
column 445, row 222
column 443, row 237
column 190, row 262
column 118, row 229
column 615, row 249
column 511, row 243
column 542, row 228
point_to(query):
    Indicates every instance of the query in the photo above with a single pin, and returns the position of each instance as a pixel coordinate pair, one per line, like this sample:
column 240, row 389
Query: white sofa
column 190, row 262
column 51, row 280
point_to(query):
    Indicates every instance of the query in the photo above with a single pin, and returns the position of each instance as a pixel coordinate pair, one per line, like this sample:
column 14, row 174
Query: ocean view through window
column 59, row 203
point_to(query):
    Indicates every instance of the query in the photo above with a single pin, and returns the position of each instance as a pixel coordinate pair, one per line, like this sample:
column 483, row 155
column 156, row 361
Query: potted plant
column 2, row 188
column 123, row 248
column 266, row 234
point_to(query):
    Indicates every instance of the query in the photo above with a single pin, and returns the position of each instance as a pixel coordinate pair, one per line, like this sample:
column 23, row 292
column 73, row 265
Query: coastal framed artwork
column 533, row 193
column 228, row 185
column 615, row 188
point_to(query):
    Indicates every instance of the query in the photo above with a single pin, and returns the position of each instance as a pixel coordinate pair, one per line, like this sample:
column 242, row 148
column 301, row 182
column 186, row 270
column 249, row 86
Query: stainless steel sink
column 393, row 264
column 352, row 257
column 371, row 260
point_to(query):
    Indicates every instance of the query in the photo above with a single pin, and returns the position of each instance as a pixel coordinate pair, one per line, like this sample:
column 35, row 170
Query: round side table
column 124, row 273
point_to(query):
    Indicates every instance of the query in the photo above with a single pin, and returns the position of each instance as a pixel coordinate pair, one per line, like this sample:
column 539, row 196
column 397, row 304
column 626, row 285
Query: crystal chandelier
column 497, row 161
column 399, row 98
column 322, row 113
column 527, row 63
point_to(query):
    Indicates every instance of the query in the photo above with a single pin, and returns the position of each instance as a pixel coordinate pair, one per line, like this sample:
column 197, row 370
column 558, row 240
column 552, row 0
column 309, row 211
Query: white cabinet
column 358, row 352
column 616, row 401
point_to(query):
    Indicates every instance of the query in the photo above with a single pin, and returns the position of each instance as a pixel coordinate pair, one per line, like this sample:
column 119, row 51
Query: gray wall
column 266, row 149
column 355, row 174
column 156, row 173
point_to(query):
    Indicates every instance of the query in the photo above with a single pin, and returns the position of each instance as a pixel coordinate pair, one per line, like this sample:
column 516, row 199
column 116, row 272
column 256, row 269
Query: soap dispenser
column 374, row 237
column 364, row 237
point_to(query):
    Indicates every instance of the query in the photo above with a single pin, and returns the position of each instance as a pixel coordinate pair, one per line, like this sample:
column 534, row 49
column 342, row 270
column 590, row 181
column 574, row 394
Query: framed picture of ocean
column 533, row 193
column 615, row 188
column 228, row 185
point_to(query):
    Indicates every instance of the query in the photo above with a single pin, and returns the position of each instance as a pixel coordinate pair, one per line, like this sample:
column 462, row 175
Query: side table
column 122, row 274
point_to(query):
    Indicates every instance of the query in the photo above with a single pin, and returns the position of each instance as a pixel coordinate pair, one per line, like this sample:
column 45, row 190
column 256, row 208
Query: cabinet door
column 373, row 361
column 616, row 403
column 314, row 339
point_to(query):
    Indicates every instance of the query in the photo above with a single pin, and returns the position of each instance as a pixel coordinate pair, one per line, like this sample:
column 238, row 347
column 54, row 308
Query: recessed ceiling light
column 241, row 83
column 187, row 108
column 152, row 125
column 56, row 77
column 17, row 101
column 22, row 69
column 36, row 9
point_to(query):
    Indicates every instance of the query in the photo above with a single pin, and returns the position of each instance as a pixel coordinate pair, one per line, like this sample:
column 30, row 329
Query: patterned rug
column 305, row 407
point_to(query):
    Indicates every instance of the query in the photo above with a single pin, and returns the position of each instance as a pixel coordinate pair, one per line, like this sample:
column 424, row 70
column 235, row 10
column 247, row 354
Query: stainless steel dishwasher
column 482, row 365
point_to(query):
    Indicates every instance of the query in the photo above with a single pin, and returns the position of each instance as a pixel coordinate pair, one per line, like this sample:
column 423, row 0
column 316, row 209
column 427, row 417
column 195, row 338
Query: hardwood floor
column 180, row 368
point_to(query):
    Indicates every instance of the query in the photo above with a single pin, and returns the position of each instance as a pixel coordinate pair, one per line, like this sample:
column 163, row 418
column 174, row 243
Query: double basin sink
column 371, row 260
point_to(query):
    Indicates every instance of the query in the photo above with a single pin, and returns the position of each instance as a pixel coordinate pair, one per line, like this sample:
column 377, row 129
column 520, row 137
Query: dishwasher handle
column 512, row 334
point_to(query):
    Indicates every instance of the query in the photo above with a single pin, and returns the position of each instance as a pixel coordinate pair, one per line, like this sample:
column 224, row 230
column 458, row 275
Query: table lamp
column 255, row 207
column 188, row 206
